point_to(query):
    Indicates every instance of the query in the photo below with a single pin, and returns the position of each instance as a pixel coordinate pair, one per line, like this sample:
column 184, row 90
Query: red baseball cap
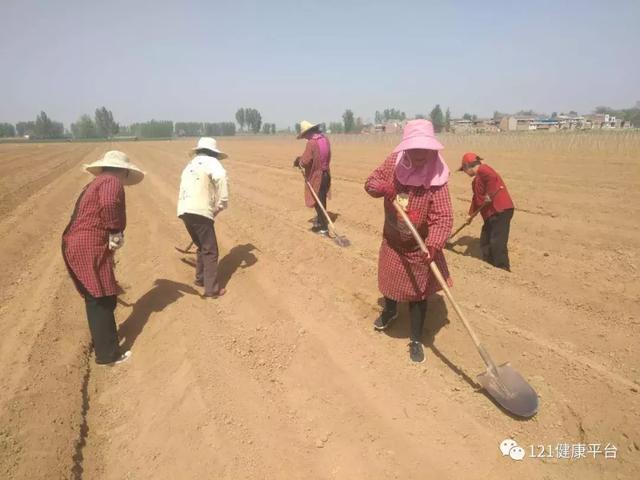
column 468, row 159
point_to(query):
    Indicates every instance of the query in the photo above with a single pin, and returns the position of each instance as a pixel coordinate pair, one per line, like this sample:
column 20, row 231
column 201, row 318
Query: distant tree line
column 101, row 125
column 389, row 114
column 269, row 128
column 199, row 129
column 152, row 129
column 7, row 130
column 249, row 117
column 43, row 127
column 221, row 129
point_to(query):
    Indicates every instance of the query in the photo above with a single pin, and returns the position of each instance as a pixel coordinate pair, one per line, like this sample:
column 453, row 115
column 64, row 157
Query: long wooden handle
column 436, row 273
column 315, row 196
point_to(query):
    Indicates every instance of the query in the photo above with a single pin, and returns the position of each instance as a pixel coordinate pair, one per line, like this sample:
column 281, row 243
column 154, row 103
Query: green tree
column 348, row 121
column 241, row 118
column 7, row 130
column 467, row 116
column 84, row 128
column 153, row 129
column 105, row 125
column 437, row 118
column 47, row 128
column 336, row 127
column 497, row 116
column 447, row 119
column 298, row 128
column 25, row 128
column 189, row 129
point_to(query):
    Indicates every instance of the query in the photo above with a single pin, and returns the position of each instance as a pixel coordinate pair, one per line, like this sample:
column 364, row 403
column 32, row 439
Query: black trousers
column 417, row 312
column 102, row 324
column 202, row 232
column 325, row 184
column 494, row 238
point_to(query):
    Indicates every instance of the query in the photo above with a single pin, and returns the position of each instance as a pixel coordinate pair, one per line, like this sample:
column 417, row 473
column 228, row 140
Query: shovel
column 340, row 240
column 186, row 250
column 503, row 383
column 449, row 241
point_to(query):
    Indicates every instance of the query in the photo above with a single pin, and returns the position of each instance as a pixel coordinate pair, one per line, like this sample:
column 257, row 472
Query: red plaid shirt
column 403, row 274
column 311, row 160
column 99, row 210
column 488, row 182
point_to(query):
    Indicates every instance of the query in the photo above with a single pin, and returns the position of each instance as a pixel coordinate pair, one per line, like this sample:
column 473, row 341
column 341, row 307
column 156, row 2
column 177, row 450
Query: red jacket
column 488, row 182
column 99, row 210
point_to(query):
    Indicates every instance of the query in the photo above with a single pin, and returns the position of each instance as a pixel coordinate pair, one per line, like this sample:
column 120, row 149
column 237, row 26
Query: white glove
column 116, row 240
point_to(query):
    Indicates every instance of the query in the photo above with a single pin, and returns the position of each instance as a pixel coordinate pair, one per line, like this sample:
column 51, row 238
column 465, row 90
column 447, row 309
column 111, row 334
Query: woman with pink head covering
column 416, row 175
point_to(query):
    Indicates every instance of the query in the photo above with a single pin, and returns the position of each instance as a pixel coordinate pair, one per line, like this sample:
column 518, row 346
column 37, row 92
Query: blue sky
column 201, row 60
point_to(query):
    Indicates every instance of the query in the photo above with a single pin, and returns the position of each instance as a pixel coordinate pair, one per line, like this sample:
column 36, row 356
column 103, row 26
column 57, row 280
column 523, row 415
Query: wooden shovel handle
column 318, row 202
column 436, row 273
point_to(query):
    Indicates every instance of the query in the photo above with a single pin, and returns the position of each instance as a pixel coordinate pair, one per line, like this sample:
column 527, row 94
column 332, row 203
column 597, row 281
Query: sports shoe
column 217, row 294
column 121, row 359
column 416, row 351
column 385, row 320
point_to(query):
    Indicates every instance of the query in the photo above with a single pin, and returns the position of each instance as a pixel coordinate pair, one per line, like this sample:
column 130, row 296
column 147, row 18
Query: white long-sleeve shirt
column 204, row 187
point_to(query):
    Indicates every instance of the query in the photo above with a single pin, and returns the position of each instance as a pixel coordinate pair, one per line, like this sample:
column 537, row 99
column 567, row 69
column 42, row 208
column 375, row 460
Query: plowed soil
column 284, row 377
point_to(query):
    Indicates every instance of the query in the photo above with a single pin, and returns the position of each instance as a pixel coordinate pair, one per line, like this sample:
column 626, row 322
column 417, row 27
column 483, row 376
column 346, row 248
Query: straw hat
column 116, row 159
column 306, row 126
column 208, row 143
column 418, row 134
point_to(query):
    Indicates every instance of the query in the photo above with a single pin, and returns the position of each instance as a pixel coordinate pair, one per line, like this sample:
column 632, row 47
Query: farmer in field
column 203, row 195
column 416, row 175
column 95, row 231
column 316, row 160
column 492, row 199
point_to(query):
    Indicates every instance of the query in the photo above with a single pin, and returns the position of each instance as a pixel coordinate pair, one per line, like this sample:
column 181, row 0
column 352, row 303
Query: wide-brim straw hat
column 306, row 126
column 418, row 134
column 209, row 143
column 116, row 159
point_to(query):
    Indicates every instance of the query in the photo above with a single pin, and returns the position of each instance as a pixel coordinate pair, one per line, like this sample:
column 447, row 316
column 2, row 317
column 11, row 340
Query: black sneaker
column 416, row 352
column 385, row 320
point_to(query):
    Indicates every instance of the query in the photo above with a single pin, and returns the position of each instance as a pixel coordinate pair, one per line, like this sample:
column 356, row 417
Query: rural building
column 512, row 123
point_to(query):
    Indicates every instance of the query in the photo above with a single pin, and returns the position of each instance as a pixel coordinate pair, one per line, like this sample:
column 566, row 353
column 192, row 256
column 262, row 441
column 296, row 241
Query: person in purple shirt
column 316, row 161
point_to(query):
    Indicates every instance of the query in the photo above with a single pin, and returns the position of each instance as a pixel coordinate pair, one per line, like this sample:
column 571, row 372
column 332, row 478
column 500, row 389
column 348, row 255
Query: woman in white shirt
column 204, row 194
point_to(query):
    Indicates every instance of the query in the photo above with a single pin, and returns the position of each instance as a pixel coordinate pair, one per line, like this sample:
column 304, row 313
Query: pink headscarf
column 419, row 134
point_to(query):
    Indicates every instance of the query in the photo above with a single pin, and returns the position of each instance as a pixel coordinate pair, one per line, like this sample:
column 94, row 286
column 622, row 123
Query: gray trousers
column 203, row 233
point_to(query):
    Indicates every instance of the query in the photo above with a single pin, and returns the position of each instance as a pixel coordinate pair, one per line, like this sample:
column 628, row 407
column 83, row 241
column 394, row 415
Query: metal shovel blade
column 341, row 240
column 510, row 390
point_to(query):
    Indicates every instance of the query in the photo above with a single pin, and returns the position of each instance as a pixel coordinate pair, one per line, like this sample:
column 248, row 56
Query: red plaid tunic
column 402, row 273
column 99, row 210
column 312, row 164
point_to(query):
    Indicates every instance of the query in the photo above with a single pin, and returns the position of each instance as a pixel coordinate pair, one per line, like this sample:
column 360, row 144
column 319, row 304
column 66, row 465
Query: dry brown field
column 284, row 377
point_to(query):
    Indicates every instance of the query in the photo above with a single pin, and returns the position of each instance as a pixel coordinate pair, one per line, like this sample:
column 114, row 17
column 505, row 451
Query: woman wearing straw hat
column 316, row 160
column 203, row 195
column 416, row 176
column 95, row 231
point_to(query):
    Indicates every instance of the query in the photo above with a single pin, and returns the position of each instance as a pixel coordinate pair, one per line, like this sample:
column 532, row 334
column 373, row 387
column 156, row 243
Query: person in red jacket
column 95, row 231
column 492, row 199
